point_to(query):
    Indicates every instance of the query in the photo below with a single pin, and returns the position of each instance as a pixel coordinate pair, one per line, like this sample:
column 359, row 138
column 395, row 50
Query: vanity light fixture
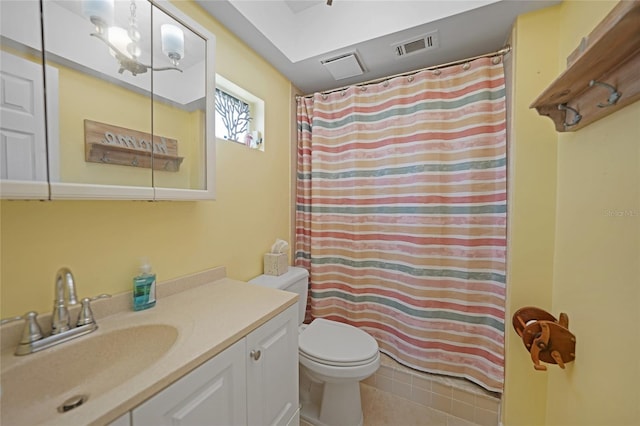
column 123, row 43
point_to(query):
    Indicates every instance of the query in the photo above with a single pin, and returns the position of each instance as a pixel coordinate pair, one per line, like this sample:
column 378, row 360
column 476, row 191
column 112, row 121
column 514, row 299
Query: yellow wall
column 84, row 97
column 532, row 204
column 596, row 239
column 597, row 256
column 102, row 241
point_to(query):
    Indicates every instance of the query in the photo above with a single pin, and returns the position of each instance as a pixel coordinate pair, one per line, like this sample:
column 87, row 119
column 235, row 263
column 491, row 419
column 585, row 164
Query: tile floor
column 382, row 408
column 462, row 402
column 399, row 396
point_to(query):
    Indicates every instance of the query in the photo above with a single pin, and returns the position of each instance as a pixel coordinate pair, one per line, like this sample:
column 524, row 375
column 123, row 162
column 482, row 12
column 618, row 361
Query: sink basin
column 34, row 388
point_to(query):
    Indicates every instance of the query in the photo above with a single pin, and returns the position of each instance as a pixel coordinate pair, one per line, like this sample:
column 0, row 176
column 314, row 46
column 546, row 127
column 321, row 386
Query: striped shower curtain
column 401, row 215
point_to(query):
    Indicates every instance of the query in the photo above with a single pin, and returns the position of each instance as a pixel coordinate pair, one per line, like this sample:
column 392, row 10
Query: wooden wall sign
column 108, row 144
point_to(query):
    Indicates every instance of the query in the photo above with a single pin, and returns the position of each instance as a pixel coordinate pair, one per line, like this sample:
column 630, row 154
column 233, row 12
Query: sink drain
column 73, row 402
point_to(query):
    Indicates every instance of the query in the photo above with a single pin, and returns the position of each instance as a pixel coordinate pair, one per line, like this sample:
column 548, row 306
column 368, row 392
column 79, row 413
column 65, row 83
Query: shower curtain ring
column 576, row 115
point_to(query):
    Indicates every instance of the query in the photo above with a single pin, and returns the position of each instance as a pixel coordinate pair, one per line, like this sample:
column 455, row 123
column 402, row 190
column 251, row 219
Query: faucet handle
column 86, row 314
column 31, row 331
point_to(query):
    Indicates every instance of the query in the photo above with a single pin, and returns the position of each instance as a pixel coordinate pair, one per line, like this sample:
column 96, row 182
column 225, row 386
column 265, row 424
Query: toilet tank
column 295, row 280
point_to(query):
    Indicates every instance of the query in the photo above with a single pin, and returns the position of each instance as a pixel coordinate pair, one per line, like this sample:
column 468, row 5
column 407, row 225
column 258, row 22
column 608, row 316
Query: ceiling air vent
column 416, row 45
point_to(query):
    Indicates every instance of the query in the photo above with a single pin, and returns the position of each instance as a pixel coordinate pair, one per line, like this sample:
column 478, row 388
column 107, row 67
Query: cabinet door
column 272, row 370
column 23, row 146
column 212, row 394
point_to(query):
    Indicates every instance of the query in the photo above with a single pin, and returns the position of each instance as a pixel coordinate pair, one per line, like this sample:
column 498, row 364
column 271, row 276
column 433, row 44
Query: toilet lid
column 332, row 342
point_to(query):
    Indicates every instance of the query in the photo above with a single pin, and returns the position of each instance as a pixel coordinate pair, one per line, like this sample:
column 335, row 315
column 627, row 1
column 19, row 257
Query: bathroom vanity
column 212, row 351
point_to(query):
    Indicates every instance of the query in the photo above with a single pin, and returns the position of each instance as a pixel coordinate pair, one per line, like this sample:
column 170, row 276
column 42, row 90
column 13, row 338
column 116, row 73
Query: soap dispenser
column 144, row 288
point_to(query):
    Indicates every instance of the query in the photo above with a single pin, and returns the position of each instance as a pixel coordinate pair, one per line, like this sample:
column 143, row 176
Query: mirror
column 129, row 89
column 132, row 86
column 23, row 147
column 179, row 105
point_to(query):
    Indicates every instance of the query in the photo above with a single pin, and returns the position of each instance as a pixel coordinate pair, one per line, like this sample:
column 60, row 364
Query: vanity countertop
column 209, row 316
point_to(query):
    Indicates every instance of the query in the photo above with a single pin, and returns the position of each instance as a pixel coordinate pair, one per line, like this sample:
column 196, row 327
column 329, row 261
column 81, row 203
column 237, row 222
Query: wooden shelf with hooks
column 609, row 55
column 108, row 144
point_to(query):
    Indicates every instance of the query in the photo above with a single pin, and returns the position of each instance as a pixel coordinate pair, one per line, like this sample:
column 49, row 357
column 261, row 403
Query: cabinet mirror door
column 23, row 146
column 101, row 53
column 179, row 106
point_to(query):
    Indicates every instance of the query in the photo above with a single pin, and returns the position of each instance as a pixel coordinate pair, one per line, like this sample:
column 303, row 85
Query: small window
column 239, row 115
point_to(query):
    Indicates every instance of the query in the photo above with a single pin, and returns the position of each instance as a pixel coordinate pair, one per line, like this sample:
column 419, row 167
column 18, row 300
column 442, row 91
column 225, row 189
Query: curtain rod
column 506, row 49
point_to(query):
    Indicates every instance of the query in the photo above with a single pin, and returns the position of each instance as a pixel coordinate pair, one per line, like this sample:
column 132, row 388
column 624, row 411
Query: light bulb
column 172, row 42
column 119, row 38
column 134, row 50
column 99, row 12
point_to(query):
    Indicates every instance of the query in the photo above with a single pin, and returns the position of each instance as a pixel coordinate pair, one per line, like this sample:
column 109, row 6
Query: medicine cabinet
column 124, row 95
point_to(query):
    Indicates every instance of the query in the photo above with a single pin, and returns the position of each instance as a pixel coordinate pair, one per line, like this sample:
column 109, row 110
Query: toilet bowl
column 334, row 358
column 337, row 356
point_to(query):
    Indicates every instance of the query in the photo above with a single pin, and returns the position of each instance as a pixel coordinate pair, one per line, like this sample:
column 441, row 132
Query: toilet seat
column 337, row 344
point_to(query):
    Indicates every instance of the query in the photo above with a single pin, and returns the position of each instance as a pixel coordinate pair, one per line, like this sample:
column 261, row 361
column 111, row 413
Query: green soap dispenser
column 144, row 288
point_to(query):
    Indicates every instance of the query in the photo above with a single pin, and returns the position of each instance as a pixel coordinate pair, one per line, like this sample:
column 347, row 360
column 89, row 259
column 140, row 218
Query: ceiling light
column 172, row 42
column 124, row 43
column 119, row 38
column 99, row 12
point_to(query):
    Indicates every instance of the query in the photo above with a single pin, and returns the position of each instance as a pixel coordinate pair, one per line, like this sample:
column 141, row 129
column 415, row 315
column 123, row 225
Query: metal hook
column 104, row 158
column 614, row 95
column 576, row 115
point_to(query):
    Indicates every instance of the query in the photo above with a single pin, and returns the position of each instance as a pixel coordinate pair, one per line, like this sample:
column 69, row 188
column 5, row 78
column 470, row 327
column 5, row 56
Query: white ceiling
column 296, row 35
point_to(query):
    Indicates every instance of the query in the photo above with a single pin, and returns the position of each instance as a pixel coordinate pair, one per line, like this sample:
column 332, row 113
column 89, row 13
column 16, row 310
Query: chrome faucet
column 65, row 284
column 61, row 331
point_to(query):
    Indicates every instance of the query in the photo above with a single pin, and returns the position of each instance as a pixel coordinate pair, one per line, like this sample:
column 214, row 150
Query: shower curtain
column 401, row 215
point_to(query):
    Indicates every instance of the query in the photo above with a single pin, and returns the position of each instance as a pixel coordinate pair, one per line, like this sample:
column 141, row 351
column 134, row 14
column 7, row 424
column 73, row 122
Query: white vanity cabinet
column 272, row 371
column 252, row 382
column 212, row 394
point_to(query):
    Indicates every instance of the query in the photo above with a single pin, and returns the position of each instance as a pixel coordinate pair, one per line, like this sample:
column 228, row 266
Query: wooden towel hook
column 545, row 337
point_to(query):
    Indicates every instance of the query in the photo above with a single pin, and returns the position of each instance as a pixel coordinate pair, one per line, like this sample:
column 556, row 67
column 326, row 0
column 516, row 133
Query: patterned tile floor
column 386, row 409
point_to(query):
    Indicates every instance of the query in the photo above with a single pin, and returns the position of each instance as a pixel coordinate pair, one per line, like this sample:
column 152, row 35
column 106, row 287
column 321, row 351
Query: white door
column 23, row 148
column 272, row 370
column 212, row 394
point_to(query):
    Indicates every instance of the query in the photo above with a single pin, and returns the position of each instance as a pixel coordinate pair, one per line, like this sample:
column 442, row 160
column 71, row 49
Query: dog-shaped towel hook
column 545, row 337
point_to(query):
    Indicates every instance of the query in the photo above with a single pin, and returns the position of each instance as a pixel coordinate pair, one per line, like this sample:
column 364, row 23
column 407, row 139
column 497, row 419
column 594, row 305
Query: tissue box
column 275, row 263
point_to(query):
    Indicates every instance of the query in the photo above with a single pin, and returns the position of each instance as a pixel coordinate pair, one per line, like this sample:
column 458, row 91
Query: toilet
column 334, row 358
